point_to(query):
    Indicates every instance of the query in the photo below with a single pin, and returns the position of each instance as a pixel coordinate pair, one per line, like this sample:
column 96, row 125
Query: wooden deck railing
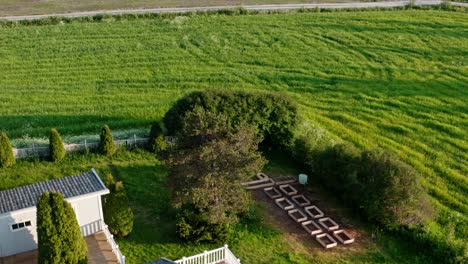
column 215, row 256
column 114, row 246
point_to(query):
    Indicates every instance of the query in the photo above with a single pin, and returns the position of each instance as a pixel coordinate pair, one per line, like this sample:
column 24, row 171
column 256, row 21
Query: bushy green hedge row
column 376, row 182
column 383, row 188
column 273, row 116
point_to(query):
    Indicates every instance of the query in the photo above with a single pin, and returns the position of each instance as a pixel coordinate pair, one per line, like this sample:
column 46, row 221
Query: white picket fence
column 34, row 151
column 220, row 255
column 114, row 246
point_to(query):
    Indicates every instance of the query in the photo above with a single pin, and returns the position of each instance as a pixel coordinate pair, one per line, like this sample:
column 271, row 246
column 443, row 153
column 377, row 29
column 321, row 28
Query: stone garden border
column 284, row 180
column 329, row 227
column 314, row 208
column 311, row 227
column 292, row 213
column 259, row 184
column 272, row 192
column 280, row 201
column 284, row 188
column 297, row 199
column 338, row 234
column 322, row 240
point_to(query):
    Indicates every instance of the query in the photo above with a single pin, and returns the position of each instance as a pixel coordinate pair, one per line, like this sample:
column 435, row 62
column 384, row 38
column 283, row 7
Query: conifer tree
column 7, row 158
column 107, row 145
column 57, row 150
column 118, row 214
column 157, row 142
column 59, row 235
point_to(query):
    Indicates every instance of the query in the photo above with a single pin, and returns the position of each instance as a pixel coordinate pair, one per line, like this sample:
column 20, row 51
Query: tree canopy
column 272, row 116
column 211, row 162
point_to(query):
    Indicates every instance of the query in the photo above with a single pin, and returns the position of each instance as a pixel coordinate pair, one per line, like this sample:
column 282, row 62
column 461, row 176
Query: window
column 19, row 226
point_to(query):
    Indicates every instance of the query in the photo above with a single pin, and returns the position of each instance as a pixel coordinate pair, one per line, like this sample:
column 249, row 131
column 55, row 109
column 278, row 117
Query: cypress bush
column 107, row 146
column 274, row 117
column 157, row 142
column 57, row 150
column 59, row 235
column 118, row 214
column 7, row 158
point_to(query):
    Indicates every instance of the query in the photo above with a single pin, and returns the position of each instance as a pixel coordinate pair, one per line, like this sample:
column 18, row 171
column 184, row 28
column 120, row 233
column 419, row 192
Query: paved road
column 248, row 7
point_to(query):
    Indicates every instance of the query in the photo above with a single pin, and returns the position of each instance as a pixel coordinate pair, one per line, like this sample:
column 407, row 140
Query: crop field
column 397, row 79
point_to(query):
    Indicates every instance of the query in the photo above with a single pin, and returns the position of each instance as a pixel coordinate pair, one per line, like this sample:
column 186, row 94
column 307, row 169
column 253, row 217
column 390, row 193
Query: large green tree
column 209, row 165
column 59, row 235
column 7, row 158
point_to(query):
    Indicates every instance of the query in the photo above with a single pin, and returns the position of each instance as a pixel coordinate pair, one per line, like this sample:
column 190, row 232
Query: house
column 18, row 209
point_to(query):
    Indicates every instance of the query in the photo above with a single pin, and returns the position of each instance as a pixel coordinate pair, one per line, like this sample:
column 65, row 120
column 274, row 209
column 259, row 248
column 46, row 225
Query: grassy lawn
column 35, row 7
column 395, row 79
column 257, row 240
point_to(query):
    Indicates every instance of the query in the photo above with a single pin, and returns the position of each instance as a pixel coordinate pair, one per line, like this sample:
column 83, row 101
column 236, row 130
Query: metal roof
column 70, row 186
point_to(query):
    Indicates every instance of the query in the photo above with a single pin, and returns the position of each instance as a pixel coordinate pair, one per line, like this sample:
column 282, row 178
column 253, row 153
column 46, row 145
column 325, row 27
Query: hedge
column 274, row 116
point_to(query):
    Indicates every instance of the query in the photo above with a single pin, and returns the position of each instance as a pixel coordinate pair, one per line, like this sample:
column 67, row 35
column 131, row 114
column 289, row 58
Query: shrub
column 393, row 195
column 118, row 214
column 157, row 142
column 59, row 235
column 273, row 116
column 7, row 158
column 107, row 146
column 57, row 150
column 192, row 227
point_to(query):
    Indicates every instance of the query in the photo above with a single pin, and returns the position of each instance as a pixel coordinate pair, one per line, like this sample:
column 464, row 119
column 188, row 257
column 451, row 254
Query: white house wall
column 13, row 242
column 87, row 209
